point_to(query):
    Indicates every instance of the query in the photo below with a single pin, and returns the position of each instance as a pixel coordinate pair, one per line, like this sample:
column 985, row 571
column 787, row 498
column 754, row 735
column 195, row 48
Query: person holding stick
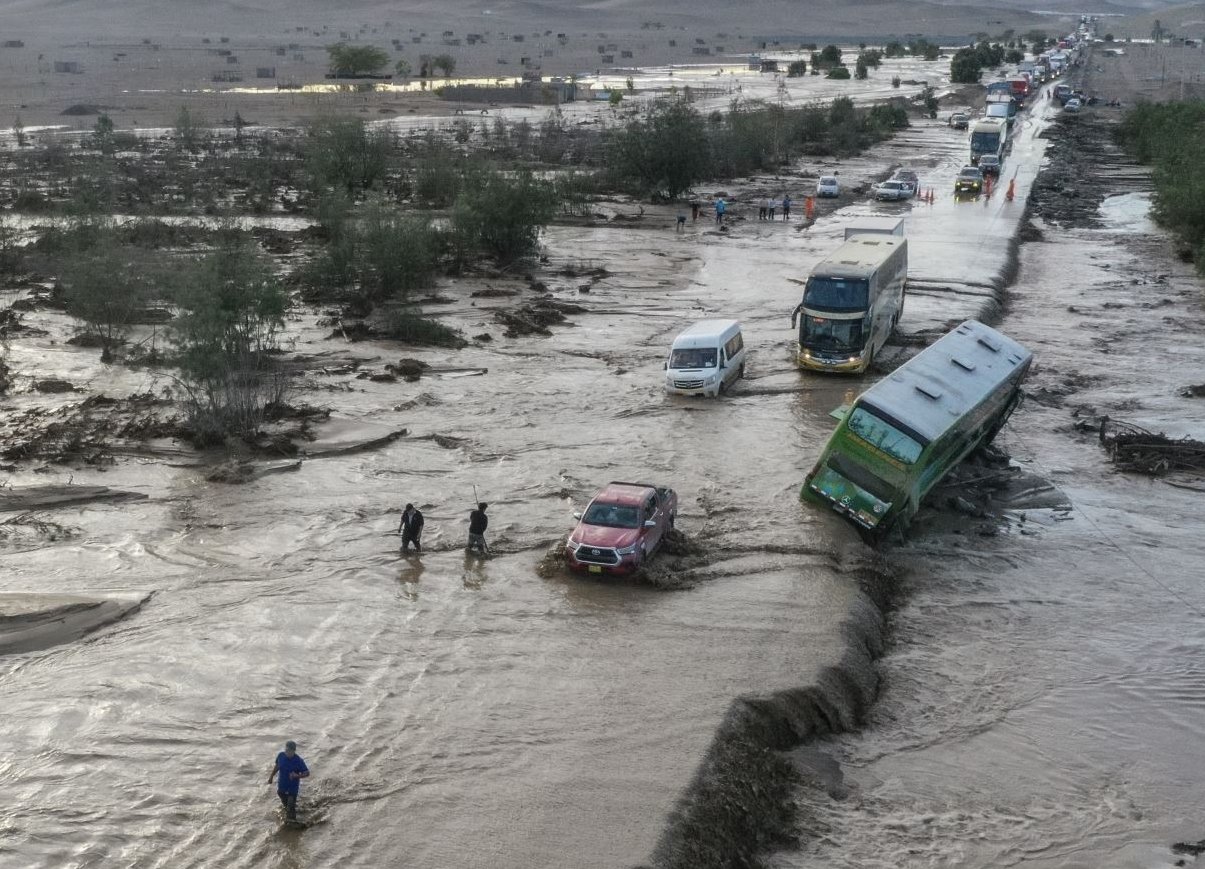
column 478, row 522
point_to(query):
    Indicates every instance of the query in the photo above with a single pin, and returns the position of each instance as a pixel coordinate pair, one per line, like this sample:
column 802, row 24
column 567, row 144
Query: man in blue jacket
column 292, row 770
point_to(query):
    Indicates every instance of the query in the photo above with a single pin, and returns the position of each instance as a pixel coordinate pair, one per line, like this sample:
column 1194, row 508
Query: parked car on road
column 969, row 181
column 989, row 164
column 621, row 528
column 959, row 120
column 892, row 191
column 828, row 187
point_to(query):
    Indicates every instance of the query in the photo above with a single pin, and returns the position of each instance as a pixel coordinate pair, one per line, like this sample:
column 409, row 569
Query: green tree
column 402, row 68
column 397, row 252
column 346, row 61
column 232, row 314
column 615, row 98
column 965, row 67
column 445, row 63
column 102, row 133
column 663, row 153
column 345, row 152
column 894, row 49
column 796, row 68
column 830, row 55
column 501, row 214
column 187, row 129
column 860, row 69
column 841, row 72
column 1014, row 56
column 106, row 289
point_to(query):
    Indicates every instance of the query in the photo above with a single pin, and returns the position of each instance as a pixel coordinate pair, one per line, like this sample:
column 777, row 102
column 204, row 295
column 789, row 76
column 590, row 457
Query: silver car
column 828, row 186
column 894, row 190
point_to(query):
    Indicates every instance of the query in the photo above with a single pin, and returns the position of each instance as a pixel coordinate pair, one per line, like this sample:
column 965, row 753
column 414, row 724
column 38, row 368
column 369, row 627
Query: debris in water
column 1195, row 391
column 53, row 385
column 409, row 370
column 1133, row 448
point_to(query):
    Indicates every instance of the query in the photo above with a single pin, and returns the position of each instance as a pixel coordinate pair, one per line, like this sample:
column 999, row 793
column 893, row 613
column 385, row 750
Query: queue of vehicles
column 900, row 437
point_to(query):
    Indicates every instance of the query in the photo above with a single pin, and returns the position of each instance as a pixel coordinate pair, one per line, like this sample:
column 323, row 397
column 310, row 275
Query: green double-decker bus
column 901, row 436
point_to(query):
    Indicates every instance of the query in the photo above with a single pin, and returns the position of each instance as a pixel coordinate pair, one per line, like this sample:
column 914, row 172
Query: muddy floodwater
column 1040, row 704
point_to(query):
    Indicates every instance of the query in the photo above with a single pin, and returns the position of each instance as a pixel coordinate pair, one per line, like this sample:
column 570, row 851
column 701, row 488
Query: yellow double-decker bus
column 851, row 303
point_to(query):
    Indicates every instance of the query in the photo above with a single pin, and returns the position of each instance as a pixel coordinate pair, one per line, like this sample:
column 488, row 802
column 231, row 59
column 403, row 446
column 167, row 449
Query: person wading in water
column 411, row 528
column 292, row 770
column 478, row 522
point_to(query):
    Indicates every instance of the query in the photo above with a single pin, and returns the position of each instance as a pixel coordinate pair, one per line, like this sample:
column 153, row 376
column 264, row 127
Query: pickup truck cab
column 622, row 526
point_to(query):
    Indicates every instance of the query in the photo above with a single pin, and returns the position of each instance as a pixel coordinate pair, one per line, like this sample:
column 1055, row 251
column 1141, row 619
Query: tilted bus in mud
column 851, row 303
column 900, row 437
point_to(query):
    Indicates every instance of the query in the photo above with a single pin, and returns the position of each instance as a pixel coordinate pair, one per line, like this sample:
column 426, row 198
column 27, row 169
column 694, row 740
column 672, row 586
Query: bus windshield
column 837, row 294
column 985, row 143
column 825, row 333
column 882, row 435
column 701, row 357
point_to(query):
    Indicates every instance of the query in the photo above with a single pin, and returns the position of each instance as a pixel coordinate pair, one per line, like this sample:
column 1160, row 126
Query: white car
column 828, row 186
column 1072, row 105
column 892, row 191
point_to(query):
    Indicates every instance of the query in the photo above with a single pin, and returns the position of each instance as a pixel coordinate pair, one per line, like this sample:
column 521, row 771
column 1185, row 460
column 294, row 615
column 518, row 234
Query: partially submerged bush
column 403, row 325
column 233, row 313
column 501, row 214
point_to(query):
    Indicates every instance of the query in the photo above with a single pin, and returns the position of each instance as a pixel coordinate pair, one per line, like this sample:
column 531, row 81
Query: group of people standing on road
column 767, row 206
column 767, row 209
column 411, row 529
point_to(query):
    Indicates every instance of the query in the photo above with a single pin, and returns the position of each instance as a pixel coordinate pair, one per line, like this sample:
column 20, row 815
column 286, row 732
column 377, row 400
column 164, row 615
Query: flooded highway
column 479, row 713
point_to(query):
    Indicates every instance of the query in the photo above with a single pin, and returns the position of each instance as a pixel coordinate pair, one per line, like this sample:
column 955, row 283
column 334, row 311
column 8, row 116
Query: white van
column 706, row 359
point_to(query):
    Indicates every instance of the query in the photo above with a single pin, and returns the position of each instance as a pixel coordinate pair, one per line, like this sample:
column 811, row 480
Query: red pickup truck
column 621, row 527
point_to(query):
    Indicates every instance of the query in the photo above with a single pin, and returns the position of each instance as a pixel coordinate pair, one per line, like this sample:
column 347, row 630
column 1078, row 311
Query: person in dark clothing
column 292, row 770
column 478, row 522
column 411, row 528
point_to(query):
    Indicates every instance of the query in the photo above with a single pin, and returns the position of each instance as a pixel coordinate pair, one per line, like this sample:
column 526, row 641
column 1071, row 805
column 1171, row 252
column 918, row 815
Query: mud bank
column 32, row 622
column 740, row 803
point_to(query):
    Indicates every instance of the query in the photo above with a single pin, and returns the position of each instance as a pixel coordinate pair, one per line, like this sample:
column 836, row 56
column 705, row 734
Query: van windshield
column 836, row 294
column 883, row 435
column 696, row 357
column 825, row 333
column 612, row 516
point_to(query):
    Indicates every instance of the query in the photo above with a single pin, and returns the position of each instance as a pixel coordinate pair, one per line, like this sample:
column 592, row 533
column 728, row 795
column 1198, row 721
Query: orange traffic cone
column 1012, row 185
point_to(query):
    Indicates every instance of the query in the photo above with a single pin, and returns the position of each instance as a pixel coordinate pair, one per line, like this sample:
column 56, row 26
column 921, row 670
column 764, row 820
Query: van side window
column 734, row 346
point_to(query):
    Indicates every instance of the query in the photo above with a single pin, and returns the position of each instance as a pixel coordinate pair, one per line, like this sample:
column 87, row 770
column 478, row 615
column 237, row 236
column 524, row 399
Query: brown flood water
column 458, row 712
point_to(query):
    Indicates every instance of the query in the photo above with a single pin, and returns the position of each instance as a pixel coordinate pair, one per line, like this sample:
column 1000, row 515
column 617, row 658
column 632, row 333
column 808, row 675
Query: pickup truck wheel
column 673, row 517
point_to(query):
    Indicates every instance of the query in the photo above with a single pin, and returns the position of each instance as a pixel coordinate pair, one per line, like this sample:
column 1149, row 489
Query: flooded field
column 475, row 713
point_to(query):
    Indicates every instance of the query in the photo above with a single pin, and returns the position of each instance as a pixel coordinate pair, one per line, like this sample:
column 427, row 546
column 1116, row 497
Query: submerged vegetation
column 385, row 218
column 1171, row 138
